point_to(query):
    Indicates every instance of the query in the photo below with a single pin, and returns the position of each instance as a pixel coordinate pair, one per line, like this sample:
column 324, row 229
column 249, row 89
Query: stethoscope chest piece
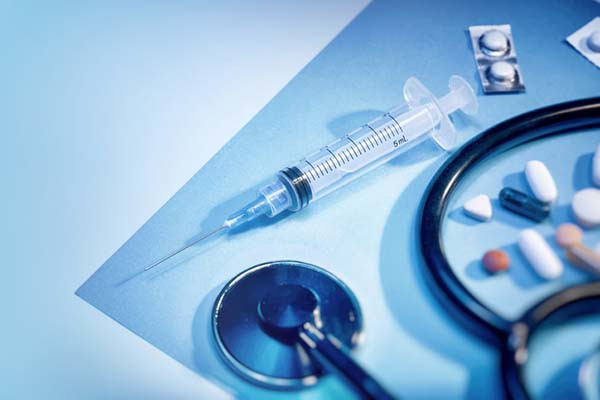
column 259, row 315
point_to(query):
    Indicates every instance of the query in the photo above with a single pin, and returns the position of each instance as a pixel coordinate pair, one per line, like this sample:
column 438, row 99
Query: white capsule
column 586, row 207
column 541, row 182
column 540, row 255
column 596, row 166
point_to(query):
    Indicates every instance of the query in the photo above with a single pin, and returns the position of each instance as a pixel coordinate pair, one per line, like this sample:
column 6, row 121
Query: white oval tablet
column 539, row 254
column 586, row 207
column 541, row 182
column 596, row 166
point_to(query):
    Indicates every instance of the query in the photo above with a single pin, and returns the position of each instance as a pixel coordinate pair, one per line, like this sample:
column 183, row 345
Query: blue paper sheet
column 363, row 233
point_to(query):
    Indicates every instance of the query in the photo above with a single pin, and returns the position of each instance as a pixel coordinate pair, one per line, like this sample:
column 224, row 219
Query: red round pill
column 496, row 261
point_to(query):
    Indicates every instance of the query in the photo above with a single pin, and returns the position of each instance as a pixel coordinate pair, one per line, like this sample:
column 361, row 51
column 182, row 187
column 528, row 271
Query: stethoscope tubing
column 508, row 335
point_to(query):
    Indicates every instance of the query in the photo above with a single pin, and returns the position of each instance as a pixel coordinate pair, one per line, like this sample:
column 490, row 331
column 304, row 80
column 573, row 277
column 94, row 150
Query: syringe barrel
column 361, row 150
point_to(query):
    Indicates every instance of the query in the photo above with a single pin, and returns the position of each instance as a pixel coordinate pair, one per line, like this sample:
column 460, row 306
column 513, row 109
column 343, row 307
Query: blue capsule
column 523, row 204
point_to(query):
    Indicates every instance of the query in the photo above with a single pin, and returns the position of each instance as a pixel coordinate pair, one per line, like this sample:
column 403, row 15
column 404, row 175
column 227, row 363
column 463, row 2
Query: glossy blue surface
column 365, row 233
column 256, row 321
column 108, row 108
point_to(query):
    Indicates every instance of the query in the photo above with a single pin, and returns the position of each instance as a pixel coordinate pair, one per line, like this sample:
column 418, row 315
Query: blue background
column 107, row 109
column 411, row 345
column 410, row 342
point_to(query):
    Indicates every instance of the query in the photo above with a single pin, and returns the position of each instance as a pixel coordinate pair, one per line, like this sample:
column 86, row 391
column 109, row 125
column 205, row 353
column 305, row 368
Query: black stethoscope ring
column 512, row 337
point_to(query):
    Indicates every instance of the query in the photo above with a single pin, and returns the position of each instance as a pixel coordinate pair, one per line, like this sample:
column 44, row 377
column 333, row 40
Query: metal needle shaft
column 206, row 235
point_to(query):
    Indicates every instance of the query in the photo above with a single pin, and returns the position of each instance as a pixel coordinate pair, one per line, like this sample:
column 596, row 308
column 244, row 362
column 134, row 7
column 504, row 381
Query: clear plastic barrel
column 367, row 147
column 363, row 149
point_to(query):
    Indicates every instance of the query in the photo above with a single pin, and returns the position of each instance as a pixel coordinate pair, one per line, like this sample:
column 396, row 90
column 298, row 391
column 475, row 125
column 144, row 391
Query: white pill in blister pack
column 587, row 41
column 501, row 72
column 494, row 42
column 540, row 255
column 593, row 41
column 596, row 166
column 540, row 180
column 496, row 58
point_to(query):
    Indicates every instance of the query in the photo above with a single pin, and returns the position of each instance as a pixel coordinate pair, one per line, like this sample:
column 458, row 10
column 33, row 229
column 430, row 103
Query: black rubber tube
column 477, row 317
column 558, row 308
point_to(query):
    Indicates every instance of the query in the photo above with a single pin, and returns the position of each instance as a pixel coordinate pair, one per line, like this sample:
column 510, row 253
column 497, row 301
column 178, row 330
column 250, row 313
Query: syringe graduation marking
column 359, row 152
column 331, row 165
column 346, row 155
column 397, row 125
column 312, row 169
column 335, row 157
column 388, row 132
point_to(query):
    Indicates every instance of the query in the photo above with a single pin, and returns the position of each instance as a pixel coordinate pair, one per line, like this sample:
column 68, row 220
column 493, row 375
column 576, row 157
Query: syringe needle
column 201, row 238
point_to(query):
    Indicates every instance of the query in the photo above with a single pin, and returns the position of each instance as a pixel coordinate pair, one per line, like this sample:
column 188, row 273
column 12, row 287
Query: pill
column 585, row 258
column 496, row 261
column 502, row 72
column 568, row 235
column 540, row 181
column 523, row 204
column 536, row 250
column 494, row 42
column 596, row 166
column 479, row 207
column 593, row 41
column 572, row 258
column 586, row 207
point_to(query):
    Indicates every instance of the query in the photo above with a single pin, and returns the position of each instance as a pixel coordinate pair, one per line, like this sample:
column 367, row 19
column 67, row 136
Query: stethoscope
column 284, row 324
column 512, row 337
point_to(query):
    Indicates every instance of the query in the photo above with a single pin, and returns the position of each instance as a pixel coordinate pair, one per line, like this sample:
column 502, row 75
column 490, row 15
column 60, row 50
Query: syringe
column 360, row 151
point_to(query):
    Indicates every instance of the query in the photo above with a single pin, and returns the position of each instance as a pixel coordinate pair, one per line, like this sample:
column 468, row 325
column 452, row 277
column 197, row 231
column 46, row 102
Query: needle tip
column 199, row 239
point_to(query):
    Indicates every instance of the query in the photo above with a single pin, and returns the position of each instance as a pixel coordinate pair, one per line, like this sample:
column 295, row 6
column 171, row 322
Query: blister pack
column 496, row 58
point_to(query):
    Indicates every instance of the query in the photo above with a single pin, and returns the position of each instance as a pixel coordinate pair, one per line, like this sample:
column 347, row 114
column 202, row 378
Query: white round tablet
column 494, row 41
column 593, row 41
column 502, row 71
column 586, row 207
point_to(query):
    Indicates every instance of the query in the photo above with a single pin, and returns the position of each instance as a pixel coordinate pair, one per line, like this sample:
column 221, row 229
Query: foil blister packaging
column 496, row 59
